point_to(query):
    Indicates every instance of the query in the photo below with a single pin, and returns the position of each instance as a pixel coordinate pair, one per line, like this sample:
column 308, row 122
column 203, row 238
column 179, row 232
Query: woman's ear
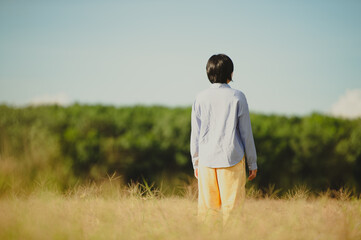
column 230, row 80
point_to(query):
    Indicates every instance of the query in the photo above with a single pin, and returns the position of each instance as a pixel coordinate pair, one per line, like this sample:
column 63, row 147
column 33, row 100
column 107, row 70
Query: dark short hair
column 219, row 68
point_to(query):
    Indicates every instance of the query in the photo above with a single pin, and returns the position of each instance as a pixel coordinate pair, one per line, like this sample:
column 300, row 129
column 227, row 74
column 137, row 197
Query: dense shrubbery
column 66, row 145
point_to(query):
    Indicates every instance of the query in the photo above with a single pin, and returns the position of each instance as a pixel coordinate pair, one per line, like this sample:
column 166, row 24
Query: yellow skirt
column 220, row 191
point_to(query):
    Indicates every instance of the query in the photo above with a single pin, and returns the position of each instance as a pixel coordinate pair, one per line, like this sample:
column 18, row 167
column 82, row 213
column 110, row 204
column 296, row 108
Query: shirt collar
column 220, row 85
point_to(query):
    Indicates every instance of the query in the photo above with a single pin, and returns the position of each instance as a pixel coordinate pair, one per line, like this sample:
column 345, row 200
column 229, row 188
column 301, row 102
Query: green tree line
column 68, row 145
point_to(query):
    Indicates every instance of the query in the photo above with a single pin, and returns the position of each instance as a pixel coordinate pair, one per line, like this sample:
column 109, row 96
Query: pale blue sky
column 290, row 57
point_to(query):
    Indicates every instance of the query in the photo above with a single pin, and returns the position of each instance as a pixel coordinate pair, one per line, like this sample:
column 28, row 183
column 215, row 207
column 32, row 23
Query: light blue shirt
column 221, row 128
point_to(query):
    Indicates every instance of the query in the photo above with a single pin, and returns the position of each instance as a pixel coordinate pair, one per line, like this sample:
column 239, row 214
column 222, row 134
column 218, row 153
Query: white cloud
column 59, row 98
column 348, row 105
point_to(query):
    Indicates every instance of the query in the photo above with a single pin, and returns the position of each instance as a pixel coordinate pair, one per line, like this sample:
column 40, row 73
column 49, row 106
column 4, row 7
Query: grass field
column 136, row 211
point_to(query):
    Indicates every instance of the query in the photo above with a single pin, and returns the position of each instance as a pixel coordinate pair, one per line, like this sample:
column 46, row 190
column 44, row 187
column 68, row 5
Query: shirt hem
column 222, row 166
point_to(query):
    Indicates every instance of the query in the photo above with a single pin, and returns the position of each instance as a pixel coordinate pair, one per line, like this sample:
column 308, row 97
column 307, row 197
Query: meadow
column 100, row 172
column 110, row 210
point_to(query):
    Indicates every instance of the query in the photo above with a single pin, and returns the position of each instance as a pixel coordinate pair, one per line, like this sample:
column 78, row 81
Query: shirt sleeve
column 245, row 129
column 195, row 129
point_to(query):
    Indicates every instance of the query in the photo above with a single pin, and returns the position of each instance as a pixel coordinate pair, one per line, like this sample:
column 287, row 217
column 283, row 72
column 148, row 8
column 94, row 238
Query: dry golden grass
column 112, row 211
